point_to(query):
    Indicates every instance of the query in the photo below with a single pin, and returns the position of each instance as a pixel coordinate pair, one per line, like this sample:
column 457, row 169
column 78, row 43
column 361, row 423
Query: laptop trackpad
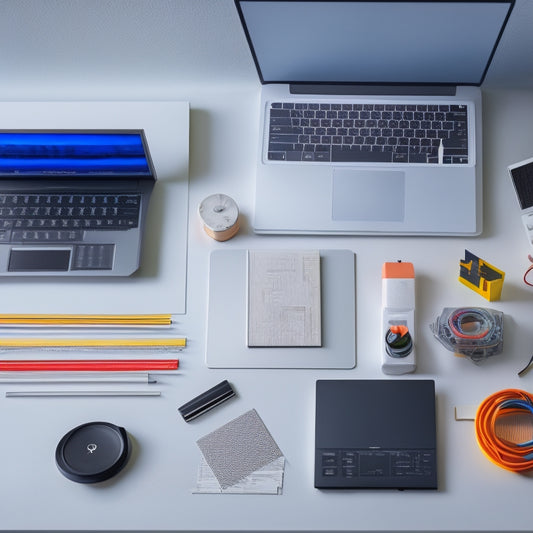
column 43, row 260
column 368, row 195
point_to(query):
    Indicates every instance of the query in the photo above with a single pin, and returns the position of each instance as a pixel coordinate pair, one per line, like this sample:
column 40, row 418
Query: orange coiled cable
column 516, row 457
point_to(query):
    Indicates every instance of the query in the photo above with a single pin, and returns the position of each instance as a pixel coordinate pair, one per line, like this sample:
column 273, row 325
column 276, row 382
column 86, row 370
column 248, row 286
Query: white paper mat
column 160, row 284
column 226, row 322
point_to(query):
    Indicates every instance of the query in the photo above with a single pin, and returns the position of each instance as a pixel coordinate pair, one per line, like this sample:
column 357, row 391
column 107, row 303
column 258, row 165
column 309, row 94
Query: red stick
column 98, row 365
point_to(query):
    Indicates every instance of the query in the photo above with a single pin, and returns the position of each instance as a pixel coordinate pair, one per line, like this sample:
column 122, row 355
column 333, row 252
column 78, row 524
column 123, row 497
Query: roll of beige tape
column 220, row 216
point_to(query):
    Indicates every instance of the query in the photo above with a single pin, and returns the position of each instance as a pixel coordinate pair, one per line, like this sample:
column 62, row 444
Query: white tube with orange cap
column 398, row 318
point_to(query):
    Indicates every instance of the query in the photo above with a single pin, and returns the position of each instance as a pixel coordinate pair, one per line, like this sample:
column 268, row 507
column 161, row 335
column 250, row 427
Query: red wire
column 528, row 271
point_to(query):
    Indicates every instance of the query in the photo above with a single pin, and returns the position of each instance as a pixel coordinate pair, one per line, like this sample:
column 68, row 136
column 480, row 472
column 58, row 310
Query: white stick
column 76, row 377
column 36, row 393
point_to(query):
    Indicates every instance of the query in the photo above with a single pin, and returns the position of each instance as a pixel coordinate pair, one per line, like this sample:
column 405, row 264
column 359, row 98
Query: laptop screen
column 373, row 42
column 86, row 154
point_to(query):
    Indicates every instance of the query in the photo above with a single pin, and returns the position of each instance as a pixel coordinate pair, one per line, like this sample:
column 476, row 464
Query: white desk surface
column 153, row 493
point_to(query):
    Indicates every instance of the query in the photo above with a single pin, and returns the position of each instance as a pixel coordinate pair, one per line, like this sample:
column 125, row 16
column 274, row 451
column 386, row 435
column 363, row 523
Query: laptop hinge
column 402, row 90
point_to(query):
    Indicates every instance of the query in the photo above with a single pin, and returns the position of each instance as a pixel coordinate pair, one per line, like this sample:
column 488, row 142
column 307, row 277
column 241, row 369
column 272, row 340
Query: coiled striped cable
column 516, row 457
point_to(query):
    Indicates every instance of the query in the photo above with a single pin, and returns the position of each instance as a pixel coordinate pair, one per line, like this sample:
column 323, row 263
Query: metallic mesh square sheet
column 239, row 448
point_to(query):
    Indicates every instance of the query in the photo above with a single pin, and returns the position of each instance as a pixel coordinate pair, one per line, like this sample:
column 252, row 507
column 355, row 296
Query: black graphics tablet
column 375, row 434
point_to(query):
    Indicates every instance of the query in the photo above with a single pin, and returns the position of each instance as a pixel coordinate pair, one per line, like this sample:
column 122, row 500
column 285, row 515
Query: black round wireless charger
column 93, row 452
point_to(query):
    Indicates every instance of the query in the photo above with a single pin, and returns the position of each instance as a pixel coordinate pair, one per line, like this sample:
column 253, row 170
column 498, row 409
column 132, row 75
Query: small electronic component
column 207, row 400
column 398, row 304
column 481, row 277
column 473, row 332
column 521, row 174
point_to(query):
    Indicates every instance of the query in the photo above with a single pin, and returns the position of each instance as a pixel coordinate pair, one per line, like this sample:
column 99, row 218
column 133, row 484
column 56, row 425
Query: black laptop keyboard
column 64, row 217
column 368, row 133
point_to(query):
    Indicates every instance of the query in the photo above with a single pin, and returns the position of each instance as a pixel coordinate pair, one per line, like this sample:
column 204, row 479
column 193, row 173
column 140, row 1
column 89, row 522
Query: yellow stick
column 92, row 343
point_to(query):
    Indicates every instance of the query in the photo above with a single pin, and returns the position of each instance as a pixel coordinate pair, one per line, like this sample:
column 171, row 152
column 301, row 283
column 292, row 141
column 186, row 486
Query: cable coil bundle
column 474, row 332
column 516, row 457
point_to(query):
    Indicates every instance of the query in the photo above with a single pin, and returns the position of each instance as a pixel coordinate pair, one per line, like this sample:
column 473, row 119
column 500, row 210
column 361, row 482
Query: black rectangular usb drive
column 207, row 400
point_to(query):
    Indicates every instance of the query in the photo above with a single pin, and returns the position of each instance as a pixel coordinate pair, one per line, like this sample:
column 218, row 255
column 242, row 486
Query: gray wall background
column 151, row 49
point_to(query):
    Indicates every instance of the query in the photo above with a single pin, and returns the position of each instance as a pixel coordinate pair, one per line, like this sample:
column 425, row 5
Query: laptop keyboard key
column 323, row 156
column 293, row 155
column 415, row 157
column 45, row 236
column 357, row 155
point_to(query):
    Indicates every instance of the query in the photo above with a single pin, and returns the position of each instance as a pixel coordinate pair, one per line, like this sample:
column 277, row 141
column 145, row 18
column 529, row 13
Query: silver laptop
column 371, row 113
column 73, row 203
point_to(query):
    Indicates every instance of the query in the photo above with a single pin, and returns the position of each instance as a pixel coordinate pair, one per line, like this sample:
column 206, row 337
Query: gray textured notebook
column 284, row 298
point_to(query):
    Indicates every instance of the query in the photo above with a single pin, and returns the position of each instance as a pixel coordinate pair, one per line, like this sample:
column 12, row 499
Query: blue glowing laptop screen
column 68, row 153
